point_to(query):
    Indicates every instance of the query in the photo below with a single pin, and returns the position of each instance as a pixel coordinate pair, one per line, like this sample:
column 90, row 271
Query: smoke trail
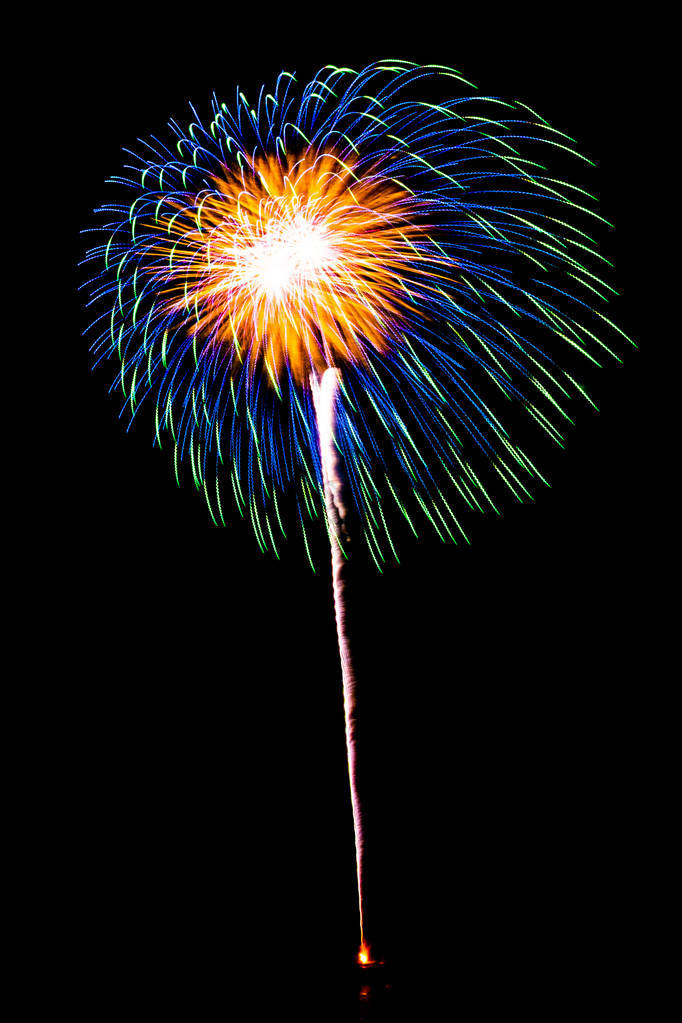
column 325, row 393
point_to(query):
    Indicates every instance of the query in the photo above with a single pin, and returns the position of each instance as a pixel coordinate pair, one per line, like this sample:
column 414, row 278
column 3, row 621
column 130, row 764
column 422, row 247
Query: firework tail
column 325, row 389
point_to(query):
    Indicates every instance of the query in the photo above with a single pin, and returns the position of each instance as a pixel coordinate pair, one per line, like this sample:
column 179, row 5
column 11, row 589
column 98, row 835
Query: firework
column 328, row 298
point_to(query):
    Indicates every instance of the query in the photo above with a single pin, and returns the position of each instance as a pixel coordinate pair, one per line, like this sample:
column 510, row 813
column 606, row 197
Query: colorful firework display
column 420, row 245
column 341, row 297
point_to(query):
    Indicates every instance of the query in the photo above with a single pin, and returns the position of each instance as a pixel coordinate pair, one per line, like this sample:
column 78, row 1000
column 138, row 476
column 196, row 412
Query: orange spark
column 364, row 957
column 296, row 262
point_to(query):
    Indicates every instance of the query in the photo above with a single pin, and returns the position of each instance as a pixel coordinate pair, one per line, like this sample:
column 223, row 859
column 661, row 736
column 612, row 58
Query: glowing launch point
column 364, row 957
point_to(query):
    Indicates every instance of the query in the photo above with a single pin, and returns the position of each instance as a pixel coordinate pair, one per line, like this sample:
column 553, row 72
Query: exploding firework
column 331, row 298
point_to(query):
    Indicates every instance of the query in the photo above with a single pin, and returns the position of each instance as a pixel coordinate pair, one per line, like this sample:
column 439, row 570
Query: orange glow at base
column 364, row 957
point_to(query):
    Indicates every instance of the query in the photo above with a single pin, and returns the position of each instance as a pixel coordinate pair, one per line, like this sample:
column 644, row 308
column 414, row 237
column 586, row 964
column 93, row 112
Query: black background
column 200, row 781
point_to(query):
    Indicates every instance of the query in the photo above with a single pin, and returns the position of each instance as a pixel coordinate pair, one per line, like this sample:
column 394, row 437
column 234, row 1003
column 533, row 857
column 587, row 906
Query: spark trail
column 326, row 390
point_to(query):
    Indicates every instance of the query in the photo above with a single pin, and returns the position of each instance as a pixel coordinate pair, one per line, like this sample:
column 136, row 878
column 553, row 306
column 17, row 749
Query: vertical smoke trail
column 325, row 392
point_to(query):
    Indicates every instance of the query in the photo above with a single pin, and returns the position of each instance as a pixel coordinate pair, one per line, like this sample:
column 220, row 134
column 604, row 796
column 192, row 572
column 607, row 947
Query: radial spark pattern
column 387, row 222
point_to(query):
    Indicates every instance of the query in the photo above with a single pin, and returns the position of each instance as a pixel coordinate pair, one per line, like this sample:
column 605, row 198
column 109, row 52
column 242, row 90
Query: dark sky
column 207, row 815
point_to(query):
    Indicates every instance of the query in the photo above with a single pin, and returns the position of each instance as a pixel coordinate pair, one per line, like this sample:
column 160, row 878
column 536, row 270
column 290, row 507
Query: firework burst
column 297, row 264
column 333, row 294
column 422, row 246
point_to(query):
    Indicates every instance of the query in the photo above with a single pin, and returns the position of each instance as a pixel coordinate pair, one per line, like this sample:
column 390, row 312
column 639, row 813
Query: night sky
column 205, row 811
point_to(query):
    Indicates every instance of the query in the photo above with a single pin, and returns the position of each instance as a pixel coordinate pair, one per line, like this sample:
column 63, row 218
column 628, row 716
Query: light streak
column 326, row 396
